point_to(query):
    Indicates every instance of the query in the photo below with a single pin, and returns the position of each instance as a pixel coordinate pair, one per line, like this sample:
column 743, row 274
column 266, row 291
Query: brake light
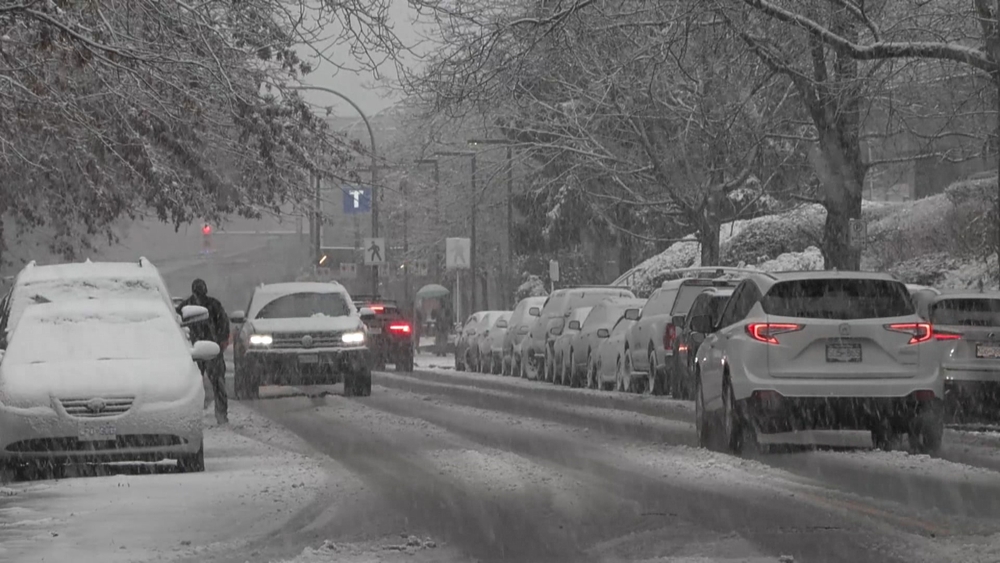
column 669, row 334
column 920, row 332
column 766, row 332
column 945, row 335
column 923, row 395
column 404, row 329
column 377, row 308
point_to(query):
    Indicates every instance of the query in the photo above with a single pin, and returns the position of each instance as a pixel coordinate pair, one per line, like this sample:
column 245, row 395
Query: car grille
column 295, row 340
column 96, row 407
column 40, row 445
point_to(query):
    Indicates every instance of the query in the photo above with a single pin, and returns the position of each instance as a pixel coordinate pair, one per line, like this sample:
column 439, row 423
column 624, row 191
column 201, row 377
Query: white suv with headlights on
column 298, row 334
column 818, row 350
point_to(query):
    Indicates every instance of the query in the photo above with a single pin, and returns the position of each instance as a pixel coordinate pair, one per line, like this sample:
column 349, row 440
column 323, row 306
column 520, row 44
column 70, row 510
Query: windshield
column 966, row 312
column 843, row 299
column 106, row 336
column 305, row 304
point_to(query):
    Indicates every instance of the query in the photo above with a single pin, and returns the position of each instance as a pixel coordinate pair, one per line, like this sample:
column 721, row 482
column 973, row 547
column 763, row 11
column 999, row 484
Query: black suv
column 390, row 332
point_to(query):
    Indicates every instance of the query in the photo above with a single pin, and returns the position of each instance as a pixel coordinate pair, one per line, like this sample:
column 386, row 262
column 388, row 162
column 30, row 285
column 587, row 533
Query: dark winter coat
column 216, row 328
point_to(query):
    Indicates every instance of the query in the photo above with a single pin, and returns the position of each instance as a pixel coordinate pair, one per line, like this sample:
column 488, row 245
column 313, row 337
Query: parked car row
column 763, row 353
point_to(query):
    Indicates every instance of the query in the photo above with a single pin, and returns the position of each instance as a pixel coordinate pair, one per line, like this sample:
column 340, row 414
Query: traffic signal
column 206, row 238
column 206, row 230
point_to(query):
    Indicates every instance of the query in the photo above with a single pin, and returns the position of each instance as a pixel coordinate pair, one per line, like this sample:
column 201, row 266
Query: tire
column 358, row 384
column 192, row 463
column 703, row 424
column 673, row 380
column 655, row 382
column 738, row 435
column 496, row 362
column 246, row 384
column 459, row 366
column 926, row 432
column 547, row 367
column 405, row 363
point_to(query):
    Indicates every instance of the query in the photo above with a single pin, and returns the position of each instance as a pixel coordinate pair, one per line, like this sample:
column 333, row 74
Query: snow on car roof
column 298, row 287
column 80, row 270
column 136, row 310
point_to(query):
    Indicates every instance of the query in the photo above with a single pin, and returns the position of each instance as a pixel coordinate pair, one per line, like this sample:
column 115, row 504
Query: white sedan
column 101, row 380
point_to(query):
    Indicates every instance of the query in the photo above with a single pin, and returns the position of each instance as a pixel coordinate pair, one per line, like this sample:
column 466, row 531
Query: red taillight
column 669, row 334
column 921, row 332
column 766, row 332
column 923, row 395
column 945, row 335
column 377, row 308
column 405, row 329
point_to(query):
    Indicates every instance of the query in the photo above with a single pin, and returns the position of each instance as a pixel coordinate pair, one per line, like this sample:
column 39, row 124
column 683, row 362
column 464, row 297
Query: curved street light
column 374, row 167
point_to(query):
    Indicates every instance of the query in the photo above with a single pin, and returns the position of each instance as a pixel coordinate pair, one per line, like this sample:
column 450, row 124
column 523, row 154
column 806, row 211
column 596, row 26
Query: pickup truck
column 390, row 332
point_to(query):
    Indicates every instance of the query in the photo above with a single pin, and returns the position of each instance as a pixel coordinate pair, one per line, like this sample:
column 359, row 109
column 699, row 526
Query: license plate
column 987, row 351
column 375, row 330
column 98, row 432
column 309, row 358
column 843, row 353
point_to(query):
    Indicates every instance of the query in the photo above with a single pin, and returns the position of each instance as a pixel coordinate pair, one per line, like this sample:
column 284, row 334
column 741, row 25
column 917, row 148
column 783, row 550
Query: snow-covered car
column 491, row 344
column 80, row 280
column 465, row 339
column 563, row 346
column 584, row 345
column 967, row 343
column 609, row 359
column 709, row 302
column 818, row 350
column 537, row 348
column 300, row 333
column 101, row 380
column 652, row 341
column 526, row 311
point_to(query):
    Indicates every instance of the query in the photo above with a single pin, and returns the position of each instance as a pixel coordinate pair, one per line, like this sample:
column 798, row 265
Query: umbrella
column 431, row 291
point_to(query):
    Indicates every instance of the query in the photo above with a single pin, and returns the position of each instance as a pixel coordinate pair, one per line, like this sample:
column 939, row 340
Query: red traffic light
column 207, row 229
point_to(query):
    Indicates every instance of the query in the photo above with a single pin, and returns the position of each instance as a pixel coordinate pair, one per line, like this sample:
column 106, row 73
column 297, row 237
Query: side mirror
column 555, row 331
column 486, row 332
column 192, row 314
column 523, row 330
column 574, row 325
column 366, row 313
column 238, row 317
column 603, row 333
column 678, row 320
column 697, row 338
column 204, row 350
column 501, row 324
column 534, row 311
column 633, row 314
column 702, row 324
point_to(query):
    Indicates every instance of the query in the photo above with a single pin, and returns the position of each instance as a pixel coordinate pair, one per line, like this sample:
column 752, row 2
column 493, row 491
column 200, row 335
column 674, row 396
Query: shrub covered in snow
column 768, row 237
column 809, row 259
column 533, row 286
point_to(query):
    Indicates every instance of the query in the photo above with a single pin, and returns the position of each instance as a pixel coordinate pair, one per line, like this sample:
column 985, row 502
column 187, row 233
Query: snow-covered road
column 447, row 467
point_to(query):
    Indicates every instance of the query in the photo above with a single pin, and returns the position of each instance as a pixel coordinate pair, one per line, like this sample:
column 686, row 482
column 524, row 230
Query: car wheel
column 655, row 383
column 245, row 382
column 458, row 362
column 406, row 363
column 192, row 463
column 358, row 384
column 485, row 363
column 497, row 364
column 632, row 385
column 701, row 422
column 739, row 435
column 926, row 431
column 883, row 435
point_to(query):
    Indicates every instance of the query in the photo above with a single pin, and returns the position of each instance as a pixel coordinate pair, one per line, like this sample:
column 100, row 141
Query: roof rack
column 708, row 272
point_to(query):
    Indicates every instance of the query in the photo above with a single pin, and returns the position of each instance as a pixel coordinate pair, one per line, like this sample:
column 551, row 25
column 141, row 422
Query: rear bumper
column 774, row 414
column 302, row 366
column 924, row 378
column 960, row 374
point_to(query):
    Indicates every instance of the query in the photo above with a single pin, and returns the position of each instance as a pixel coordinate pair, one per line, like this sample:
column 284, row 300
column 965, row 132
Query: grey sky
column 358, row 87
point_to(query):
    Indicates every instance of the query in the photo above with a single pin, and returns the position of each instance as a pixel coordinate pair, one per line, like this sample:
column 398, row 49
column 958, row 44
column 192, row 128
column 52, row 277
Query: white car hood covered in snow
column 33, row 385
column 318, row 323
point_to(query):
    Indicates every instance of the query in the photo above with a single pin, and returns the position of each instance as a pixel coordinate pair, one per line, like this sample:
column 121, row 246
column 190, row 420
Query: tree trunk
column 708, row 230
column 625, row 241
column 842, row 173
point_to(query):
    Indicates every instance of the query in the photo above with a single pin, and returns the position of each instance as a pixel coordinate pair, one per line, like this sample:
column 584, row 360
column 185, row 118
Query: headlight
column 261, row 339
column 353, row 337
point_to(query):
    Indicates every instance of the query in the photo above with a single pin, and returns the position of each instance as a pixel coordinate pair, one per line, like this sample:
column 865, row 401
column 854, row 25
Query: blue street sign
column 357, row 199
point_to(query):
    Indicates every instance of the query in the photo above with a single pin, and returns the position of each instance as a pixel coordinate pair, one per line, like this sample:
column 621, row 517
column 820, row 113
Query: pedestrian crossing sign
column 374, row 250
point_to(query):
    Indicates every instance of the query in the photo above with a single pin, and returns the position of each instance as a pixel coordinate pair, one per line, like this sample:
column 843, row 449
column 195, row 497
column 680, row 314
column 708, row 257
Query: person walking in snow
column 215, row 329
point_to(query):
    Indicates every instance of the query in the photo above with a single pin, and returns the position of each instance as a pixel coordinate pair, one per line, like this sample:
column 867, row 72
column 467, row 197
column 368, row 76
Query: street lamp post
column 510, row 205
column 472, row 220
column 374, row 166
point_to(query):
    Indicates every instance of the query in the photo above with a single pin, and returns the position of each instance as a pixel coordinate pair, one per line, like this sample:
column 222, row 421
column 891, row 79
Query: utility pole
column 473, row 196
column 508, row 290
column 403, row 184
column 318, row 221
